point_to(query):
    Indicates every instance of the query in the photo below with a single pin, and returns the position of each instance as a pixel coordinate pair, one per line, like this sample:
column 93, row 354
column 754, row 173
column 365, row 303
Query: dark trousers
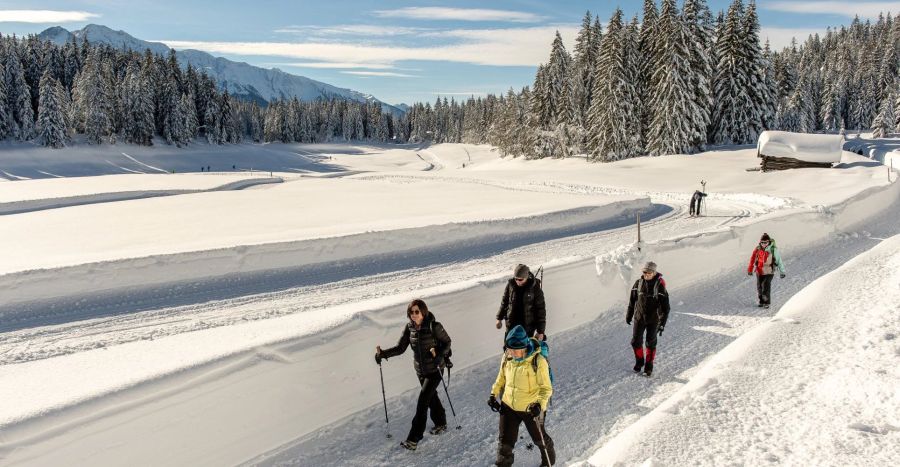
column 637, row 334
column 428, row 399
column 764, row 288
column 695, row 206
column 509, row 434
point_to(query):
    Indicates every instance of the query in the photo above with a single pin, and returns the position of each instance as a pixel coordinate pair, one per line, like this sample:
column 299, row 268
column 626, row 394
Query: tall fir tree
column 674, row 101
column 608, row 130
column 731, row 85
column 697, row 21
column 18, row 94
column 760, row 96
column 51, row 119
column 885, row 121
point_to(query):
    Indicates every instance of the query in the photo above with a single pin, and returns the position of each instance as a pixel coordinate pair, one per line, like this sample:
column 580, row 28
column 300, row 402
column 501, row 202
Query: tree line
column 672, row 81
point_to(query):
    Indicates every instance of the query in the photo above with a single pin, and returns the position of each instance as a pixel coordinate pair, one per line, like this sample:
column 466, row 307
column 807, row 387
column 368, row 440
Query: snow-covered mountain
column 239, row 78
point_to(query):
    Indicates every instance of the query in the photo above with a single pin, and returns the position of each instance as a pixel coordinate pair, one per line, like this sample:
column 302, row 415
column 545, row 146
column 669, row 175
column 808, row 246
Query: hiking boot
column 638, row 364
column 438, row 429
column 411, row 445
column 648, row 369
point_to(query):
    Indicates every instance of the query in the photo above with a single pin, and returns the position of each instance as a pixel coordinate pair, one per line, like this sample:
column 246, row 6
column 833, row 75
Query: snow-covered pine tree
column 699, row 32
column 585, row 62
column 51, row 121
column 607, row 130
column 559, row 84
column 18, row 94
column 138, row 107
column 760, row 95
column 885, row 121
column 93, row 100
column 188, row 113
column 173, row 126
column 648, row 42
column 213, row 119
column 674, row 105
column 731, row 84
column 7, row 124
column 631, row 64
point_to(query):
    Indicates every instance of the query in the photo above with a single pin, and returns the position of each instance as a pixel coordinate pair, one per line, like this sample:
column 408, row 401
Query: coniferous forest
column 672, row 79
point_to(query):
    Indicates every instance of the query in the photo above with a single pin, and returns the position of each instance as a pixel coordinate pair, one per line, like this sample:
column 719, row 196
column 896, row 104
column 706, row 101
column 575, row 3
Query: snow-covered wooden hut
column 782, row 150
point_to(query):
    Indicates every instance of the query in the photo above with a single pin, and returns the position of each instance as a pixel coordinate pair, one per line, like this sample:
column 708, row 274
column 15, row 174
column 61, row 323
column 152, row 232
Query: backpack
column 545, row 353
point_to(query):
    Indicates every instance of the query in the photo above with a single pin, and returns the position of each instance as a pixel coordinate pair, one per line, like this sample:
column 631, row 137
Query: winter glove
column 378, row 356
column 782, row 275
column 448, row 363
column 661, row 329
column 439, row 362
column 534, row 409
column 628, row 322
column 749, row 273
column 493, row 403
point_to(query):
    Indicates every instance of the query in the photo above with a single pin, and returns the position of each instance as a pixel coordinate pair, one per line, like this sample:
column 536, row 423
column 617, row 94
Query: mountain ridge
column 240, row 78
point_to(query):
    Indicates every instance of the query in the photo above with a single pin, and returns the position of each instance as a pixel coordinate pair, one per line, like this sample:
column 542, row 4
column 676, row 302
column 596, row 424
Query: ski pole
column 544, row 454
column 387, row 423
column 458, row 426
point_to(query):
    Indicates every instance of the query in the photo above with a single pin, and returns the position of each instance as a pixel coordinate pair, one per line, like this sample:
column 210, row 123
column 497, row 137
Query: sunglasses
column 521, row 279
column 415, row 311
column 648, row 272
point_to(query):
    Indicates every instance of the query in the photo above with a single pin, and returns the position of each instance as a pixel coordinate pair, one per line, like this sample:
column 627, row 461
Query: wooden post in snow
column 639, row 230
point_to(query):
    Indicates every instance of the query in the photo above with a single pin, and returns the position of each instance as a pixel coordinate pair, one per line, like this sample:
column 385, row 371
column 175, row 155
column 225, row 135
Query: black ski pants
column 764, row 288
column 695, row 206
column 428, row 399
column 509, row 434
column 637, row 334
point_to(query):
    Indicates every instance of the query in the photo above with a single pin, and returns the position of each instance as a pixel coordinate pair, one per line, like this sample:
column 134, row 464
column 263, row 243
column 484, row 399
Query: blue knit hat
column 516, row 338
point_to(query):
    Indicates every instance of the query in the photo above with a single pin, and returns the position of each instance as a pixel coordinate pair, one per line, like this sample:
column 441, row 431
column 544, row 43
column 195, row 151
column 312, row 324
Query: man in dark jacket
column 696, row 200
column 648, row 306
column 523, row 303
column 431, row 348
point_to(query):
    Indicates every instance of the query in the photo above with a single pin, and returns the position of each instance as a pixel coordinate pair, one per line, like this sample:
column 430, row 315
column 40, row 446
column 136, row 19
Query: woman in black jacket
column 431, row 347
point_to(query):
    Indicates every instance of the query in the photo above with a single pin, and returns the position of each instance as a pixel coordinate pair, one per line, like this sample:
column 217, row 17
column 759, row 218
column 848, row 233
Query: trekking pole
column 458, row 426
column 544, row 454
column 387, row 423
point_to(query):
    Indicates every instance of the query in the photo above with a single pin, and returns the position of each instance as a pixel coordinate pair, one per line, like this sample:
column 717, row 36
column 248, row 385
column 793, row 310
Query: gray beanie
column 649, row 266
column 521, row 271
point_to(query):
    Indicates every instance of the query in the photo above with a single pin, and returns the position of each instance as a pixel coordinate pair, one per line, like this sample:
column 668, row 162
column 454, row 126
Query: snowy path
column 597, row 396
column 101, row 319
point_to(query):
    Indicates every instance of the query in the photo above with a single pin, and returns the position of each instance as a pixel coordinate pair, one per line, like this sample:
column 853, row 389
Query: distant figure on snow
column 648, row 307
column 524, row 388
column 523, row 303
column 431, row 349
column 696, row 200
column 764, row 260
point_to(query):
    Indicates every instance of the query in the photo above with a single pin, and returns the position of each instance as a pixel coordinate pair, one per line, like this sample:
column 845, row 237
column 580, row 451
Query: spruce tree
column 700, row 36
column 608, row 131
column 731, row 85
column 51, row 122
column 18, row 95
column 674, row 105
column 885, row 121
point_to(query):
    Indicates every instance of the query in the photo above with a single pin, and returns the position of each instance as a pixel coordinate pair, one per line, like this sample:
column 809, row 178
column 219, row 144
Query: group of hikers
column 524, row 383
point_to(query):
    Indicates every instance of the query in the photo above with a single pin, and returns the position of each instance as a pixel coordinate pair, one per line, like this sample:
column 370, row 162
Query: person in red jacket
column 764, row 261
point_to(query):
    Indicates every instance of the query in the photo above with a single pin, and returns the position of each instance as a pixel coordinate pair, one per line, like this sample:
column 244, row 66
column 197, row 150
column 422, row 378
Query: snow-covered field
column 223, row 326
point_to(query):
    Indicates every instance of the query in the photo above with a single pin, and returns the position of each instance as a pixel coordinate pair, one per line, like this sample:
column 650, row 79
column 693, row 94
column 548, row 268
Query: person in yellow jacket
column 524, row 389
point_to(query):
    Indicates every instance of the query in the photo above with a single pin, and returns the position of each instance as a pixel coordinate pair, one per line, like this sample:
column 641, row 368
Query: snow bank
column 46, row 202
column 803, row 146
column 816, row 385
column 355, row 252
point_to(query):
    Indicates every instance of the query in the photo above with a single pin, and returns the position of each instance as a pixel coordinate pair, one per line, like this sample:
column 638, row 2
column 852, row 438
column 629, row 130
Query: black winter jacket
column 422, row 341
column 535, row 311
column 649, row 301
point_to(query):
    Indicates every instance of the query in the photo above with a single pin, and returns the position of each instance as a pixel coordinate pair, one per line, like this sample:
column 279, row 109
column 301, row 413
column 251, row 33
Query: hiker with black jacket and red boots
column 431, row 348
column 764, row 261
column 523, row 304
column 648, row 307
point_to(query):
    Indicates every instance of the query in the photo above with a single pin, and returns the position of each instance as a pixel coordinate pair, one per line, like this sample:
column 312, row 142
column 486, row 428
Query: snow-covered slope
column 239, row 78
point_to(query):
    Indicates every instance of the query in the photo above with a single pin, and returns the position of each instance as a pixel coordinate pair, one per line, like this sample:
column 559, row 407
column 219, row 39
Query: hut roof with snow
column 781, row 150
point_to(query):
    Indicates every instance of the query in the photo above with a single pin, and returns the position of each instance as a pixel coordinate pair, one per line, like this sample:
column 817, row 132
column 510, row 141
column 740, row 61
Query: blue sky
column 398, row 51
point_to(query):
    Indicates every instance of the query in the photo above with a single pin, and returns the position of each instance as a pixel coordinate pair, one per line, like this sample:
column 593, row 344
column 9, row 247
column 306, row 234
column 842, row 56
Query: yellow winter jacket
column 521, row 385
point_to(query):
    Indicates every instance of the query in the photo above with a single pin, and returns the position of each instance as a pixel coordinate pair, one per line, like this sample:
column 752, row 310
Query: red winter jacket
column 763, row 261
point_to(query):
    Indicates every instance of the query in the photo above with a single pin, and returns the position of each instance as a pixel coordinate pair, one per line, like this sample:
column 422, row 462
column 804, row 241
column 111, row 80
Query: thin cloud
column 334, row 65
column 353, row 30
column 779, row 38
column 495, row 47
column 379, row 73
column 459, row 14
column 44, row 16
column 848, row 9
